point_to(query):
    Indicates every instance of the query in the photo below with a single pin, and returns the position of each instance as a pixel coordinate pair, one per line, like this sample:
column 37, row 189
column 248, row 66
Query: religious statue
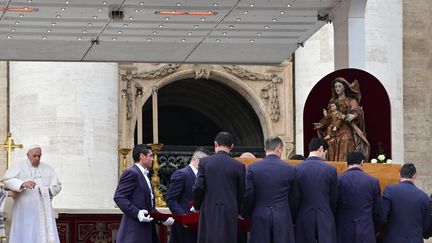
column 343, row 123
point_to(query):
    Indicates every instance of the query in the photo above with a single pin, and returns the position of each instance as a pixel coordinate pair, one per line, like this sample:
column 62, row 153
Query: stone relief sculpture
column 343, row 123
column 269, row 93
column 161, row 72
column 202, row 71
column 130, row 78
column 127, row 93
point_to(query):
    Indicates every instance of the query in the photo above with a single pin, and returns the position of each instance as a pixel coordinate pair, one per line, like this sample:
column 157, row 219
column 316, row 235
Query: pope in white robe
column 36, row 184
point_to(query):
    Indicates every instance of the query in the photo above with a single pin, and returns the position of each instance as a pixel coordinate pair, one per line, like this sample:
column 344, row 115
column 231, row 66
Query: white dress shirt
column 195, row 170
column 145, row 172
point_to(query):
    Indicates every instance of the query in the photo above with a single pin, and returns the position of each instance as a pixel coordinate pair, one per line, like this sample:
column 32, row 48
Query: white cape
column 33, row 218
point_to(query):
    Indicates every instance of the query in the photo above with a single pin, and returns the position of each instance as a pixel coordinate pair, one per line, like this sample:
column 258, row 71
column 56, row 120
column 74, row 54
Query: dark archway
column 375, row 102
column 191, row 112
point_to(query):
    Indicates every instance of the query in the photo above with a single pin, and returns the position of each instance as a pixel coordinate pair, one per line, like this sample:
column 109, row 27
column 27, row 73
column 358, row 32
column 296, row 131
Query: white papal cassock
column 33, row 218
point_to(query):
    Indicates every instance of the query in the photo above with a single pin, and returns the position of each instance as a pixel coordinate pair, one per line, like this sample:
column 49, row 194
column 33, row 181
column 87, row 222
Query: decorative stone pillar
column 71, row 110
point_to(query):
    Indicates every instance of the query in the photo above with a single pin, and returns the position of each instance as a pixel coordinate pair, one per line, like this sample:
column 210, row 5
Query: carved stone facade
column 267, row 89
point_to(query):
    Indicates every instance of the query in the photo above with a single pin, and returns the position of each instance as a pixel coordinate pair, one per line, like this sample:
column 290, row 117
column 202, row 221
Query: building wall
column 417, row 88
column 312, row 63
column 248, row 81
column 71, row 110
column 383, row 57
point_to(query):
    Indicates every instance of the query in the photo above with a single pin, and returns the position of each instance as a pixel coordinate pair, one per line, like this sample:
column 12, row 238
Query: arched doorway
column 191, row 112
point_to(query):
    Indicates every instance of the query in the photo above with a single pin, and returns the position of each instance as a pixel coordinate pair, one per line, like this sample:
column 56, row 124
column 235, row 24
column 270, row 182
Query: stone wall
column 417, row 88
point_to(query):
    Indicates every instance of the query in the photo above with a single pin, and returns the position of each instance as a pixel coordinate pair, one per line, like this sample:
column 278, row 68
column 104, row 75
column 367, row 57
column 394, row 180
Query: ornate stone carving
column 269, row 93
column 158, row 73
column 127, row 93
column 202, row 71
column 243, row 73
column 289, row 148
column 130, row 78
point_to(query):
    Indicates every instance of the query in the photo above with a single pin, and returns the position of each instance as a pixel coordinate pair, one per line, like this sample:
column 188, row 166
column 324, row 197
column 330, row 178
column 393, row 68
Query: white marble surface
column 312, row 63
column 71, row 110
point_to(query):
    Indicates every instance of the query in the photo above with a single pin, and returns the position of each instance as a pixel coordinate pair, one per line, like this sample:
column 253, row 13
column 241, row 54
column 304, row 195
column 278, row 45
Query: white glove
column 193, row 210
column 168, row 222
column 240, row 217
column 142, row 218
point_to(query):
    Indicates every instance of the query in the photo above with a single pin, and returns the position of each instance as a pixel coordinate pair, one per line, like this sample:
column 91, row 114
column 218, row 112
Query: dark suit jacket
column 178, row 199
column 133, row 194
column 317, row 182
column 267, row 200
column 429, row 233
column 357, row 206
column 218, row 193
column 406, row 210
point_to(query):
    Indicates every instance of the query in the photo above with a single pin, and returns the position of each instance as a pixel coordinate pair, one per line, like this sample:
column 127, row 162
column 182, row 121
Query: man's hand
column 168, row 222
column 28, row 184
column 142, row 216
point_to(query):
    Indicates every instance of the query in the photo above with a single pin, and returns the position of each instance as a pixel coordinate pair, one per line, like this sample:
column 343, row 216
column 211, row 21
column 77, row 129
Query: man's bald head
column 247, row 155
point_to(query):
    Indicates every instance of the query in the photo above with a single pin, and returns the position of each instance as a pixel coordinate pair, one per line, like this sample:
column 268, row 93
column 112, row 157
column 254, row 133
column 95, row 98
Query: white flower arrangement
column 381, row 159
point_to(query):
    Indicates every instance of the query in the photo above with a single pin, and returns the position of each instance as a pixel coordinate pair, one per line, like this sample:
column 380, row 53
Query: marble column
column 349, row 34
column 71, row 110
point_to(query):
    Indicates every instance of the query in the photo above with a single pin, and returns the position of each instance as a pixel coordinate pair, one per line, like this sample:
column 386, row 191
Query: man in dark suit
column 405, row 209
column 358, row 203
column 179, row 196
column 218, row 193
column 135, row 197
column 317, row 182
column 269, row 184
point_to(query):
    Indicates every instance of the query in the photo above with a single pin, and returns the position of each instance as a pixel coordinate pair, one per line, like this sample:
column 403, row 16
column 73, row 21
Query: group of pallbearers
column 308, row 203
